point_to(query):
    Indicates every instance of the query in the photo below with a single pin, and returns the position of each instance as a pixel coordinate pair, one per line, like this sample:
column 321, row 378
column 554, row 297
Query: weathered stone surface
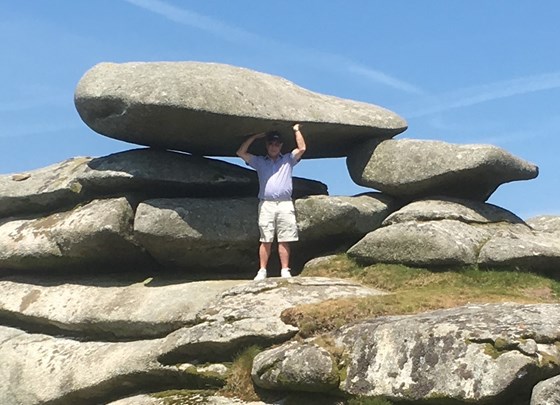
column 414, row 169
column 467, row 211
column 250, row 314
column 39, row 368
column 468, row 353
column 316, row 370
column 434, row 232
column 474, row 354
column 349, row 217
column 190, row 398
column 547, row 392
column 43, row 189
column 539, row 251
column 199, row 233
column 98, row 233
column 96, row 311
column 148, row 173
column 223, row 233
column 208, row 108
column 99, row 371
column 545, row 223
column 433, row 243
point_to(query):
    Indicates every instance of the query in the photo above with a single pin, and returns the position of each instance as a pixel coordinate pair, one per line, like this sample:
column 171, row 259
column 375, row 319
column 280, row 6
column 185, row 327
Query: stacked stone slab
column 151, row 208
column 88, row 315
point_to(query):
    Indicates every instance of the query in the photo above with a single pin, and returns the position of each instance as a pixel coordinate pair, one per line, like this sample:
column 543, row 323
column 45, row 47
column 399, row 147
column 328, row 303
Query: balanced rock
column 472, row 354
column 412, row 169
column 208, row 109
column 146, row 173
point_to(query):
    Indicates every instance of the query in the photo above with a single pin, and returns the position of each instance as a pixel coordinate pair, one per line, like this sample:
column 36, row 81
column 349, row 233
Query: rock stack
column 173, row 208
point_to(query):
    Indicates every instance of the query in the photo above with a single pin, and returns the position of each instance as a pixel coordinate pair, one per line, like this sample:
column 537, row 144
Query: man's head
column 273, row 143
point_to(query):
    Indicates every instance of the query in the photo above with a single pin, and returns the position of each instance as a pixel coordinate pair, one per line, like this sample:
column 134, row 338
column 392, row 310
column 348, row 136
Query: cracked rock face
column 474, row 353
column 208, row 109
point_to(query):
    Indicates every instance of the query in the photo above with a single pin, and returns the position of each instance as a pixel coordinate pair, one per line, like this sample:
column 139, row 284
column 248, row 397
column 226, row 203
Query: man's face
column 273, row 148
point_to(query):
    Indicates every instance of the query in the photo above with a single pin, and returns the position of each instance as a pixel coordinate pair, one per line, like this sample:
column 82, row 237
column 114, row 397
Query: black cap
column 274, row 136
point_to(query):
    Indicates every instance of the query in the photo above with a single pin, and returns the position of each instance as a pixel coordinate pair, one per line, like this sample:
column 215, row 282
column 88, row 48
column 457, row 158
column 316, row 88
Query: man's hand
column 296, row 127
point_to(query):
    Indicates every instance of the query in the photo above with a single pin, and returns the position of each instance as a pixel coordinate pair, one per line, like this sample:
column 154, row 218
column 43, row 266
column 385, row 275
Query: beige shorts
column 277, row 218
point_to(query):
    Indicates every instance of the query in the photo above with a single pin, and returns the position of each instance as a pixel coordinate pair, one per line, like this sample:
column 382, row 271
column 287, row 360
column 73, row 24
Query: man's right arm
column 242, row 151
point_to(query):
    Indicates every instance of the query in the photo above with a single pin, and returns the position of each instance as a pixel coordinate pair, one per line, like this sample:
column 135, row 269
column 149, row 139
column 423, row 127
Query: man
column 276, row 209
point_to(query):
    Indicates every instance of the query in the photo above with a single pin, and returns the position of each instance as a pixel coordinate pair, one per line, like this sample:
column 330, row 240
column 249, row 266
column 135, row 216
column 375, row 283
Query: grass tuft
column 239, row 383
column 415, row 290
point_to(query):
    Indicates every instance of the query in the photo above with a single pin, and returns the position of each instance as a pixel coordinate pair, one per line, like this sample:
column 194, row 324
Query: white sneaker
column 285, row 273
column 261, row 275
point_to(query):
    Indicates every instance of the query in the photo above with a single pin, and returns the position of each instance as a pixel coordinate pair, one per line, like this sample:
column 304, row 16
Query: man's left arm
column 300, row 143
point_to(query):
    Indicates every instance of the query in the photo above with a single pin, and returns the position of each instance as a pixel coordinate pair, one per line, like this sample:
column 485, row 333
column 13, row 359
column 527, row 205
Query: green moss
column 183, row 397
column 548, row 360
column 502, row 344
column 369, row 401
column 491, row 350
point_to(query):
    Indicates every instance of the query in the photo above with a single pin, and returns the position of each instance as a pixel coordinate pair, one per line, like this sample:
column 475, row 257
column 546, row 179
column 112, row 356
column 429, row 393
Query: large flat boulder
column 414, row 169
column 473, row 354
column 101, row 309
column 208, row 109
column 146, row 173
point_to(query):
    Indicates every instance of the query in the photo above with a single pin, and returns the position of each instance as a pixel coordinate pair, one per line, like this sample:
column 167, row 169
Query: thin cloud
column 236, row 35
column 484, row 93
column 199, row 21
column 384, row 78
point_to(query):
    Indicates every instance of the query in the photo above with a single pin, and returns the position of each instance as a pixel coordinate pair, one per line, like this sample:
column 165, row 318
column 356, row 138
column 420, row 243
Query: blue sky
column 458, row 71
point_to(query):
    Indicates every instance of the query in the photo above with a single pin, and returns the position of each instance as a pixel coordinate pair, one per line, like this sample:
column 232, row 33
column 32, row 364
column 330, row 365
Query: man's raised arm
column 300, row 142
column 242, row 151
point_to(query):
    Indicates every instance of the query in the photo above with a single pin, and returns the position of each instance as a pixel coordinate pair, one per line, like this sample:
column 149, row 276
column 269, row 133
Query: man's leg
column 284, row 253
column 287, row 232
column 264, row 254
